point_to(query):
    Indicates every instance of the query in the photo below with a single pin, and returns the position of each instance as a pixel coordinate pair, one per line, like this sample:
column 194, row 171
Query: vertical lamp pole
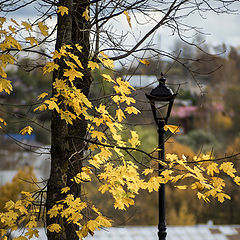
column 161, row 100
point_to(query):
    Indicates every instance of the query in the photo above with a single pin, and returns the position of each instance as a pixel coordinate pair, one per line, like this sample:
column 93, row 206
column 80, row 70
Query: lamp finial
column 162, row 80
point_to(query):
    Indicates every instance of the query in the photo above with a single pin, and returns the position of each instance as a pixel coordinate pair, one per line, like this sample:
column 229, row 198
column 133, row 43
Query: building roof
column 198, row 232
column 184, row 111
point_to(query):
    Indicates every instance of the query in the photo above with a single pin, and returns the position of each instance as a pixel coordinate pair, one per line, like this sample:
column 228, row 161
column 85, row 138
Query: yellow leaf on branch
column 41, row 108
column 72, row 74
column 62, row 10
column 79, row 47
column 221, row 197
column 5, row 85
column 86, row 14
column 131, row 110
column 134, row 140
column 52, row 105
column 107, row 63
column 128, row 18
column 120, row 115
column 104, row 54
column 98, row 135
column 49, row 67
column 228, row 168
column 2, row 73
column 14, row 22
column 32, row 40
column 144, row 61
column 237, row 180
column 212, row 168
column 172, row 128
column 107, row 78
column 147, row 171
column 54, row 228
column 43, row 28
column 27, row 26
column 93, row 65
column 12, row 29
column 26, row 130
column 65, row 189
column 5, row 59
column 42, row 95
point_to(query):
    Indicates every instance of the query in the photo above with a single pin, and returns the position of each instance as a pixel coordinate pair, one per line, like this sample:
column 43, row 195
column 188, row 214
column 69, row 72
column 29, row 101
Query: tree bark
column 72, row 29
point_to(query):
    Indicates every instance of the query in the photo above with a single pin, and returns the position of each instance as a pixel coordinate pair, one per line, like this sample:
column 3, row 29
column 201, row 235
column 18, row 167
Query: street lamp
column 161, row 100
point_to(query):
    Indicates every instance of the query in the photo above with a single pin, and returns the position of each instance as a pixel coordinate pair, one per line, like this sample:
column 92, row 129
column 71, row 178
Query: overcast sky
column 218, row 29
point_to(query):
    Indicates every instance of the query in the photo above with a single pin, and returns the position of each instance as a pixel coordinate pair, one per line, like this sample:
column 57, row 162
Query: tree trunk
column 72, row 29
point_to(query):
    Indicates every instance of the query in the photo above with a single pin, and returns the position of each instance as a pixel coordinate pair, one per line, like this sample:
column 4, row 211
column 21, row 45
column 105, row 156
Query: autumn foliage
column 108, row 156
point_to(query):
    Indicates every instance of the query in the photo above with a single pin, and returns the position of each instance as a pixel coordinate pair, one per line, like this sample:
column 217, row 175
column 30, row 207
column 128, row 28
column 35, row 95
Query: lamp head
column 161, row 98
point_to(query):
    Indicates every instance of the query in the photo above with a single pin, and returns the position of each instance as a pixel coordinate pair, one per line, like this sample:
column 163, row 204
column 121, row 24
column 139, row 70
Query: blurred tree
column 23, row 181
column 199, row 140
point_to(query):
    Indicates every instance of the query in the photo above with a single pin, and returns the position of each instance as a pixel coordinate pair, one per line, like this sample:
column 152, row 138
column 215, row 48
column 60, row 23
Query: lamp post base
column 162, row 233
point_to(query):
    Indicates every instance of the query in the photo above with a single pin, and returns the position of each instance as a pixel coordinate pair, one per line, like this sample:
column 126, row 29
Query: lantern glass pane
column 161, row 109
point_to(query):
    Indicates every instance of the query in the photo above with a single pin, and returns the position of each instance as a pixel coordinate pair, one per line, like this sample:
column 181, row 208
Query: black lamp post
column 161, row 99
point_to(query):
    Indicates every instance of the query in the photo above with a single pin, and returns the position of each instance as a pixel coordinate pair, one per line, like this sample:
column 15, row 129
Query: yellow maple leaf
column 134, row 141
column 107, row 63
column 104, row 54
column 49, row 67
column 76, row 59
column 12, row 29
column 79, row 48
column 144, row 61
column 128, row 18
column 27, row 26
column 43, row 28
column 9, row 205
column 98, row 135
column 42, row 95
column 5, row 85
column 83, row 232
column 131, row 110
column 211, row 168
column 237, row 180
column 42, row 107
column 228, row 168
column 86, row 14
column 2, row 73
column 197, row 185
column 72, row 74
column 32, row 232
column 57, row 55
column 14, row 22
column 92, row 225
column 201, row 195
column 52, row 105
column 2, row 20
column 147, row 171
column 62, row 10
column 172, row 128
column 93, row 65
column 107, row 78
column 70, row 64
column 6, row 58
column 32, row 40
column 26, row 130
column 120, row 115
column 54, row 228
column 221, row 197
column 65, row 189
